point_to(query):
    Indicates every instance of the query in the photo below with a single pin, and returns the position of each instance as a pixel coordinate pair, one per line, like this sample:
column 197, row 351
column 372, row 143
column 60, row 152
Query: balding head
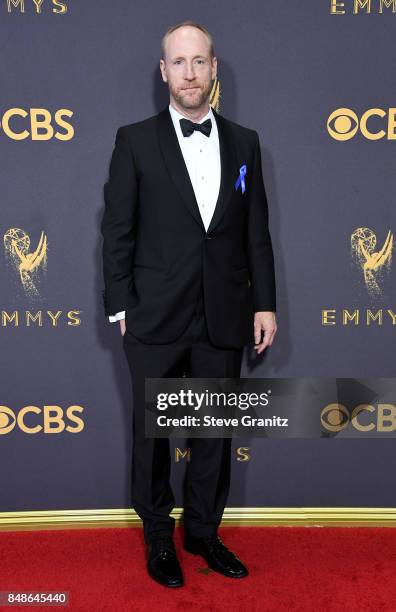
column 201, row 33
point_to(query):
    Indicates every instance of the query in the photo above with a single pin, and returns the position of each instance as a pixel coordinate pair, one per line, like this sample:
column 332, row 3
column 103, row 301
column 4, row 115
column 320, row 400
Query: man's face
column 188, row 68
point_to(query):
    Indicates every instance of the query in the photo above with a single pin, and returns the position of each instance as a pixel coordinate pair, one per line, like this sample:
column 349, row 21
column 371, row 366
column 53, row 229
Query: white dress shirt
column 202, row 157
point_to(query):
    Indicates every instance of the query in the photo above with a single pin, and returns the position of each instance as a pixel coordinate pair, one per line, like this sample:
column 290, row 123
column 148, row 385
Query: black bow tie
column 188, row 127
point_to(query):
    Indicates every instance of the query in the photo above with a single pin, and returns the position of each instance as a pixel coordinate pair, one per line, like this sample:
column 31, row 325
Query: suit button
column 208, row 237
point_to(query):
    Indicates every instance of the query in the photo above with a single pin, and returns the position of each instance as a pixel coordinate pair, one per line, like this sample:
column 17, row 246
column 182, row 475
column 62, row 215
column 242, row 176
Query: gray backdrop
column 284, row 67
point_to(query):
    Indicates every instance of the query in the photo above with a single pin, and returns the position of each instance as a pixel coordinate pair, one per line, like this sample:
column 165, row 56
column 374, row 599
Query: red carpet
column 291, row 569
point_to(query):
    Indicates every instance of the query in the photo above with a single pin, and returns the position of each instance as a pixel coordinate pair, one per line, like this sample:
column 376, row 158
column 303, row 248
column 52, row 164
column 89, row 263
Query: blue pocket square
column 241, row 179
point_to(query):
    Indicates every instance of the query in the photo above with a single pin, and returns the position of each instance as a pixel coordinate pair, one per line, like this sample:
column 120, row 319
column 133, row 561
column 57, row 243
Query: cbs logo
column 37, row 123
column 336, row 417
column 344, row 123
column 49, row 419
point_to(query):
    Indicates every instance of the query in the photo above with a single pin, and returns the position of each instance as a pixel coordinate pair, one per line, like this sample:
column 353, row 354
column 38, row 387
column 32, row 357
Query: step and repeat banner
column 316, row 80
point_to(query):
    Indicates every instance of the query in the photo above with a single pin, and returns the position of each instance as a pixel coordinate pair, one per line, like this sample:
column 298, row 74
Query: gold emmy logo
column 215, row 95
column 59, row 8
column 241, row 454
column 373, row 262
column 182, row 454
column 337, row 7
column 17, row 248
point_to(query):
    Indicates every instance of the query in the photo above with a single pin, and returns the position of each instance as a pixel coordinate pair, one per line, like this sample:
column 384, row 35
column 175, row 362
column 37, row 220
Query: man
column 189, row 272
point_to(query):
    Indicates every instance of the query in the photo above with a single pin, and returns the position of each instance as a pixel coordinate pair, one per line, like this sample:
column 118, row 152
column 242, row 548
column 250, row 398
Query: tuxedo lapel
column 175, row 164
column 228, row 164
column 174, row 161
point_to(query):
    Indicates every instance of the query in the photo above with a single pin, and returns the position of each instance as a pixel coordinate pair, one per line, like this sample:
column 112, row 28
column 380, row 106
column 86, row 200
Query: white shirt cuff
column 117, row 316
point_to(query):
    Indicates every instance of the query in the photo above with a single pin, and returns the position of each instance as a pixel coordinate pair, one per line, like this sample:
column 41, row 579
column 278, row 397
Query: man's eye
column 199, row 61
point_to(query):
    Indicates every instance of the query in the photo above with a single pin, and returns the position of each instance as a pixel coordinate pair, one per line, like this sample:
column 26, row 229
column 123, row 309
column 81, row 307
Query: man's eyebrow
column 182, row 57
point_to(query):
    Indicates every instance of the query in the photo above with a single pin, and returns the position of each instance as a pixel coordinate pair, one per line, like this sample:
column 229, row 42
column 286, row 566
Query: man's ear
column 214, row 67
column 162, row 68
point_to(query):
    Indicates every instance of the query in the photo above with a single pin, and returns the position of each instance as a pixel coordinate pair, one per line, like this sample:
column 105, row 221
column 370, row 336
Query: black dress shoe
column 217, row 556
column 162, row 562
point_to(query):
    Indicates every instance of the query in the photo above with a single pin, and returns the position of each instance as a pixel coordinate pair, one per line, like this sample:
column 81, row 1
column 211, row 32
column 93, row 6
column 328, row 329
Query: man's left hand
column 264, row 321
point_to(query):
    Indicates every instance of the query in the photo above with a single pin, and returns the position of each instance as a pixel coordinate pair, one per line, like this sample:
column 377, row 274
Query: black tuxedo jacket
column 156, row 252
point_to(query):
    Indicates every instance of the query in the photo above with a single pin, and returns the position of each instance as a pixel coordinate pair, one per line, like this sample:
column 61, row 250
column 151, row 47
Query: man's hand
column 122, row 326
column 264, row 321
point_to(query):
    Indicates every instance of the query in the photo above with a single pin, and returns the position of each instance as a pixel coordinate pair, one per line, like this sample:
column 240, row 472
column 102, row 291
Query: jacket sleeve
column 260, row 253
column 118, row 227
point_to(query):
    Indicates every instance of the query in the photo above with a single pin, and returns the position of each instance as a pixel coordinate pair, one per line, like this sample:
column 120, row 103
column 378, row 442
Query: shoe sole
column 195, row 552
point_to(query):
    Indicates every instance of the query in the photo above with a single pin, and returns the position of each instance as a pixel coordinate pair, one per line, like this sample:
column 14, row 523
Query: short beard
column 195, row 102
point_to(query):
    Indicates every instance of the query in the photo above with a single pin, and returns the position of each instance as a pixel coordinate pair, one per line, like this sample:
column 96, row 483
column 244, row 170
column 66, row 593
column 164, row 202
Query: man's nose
column 189, row 72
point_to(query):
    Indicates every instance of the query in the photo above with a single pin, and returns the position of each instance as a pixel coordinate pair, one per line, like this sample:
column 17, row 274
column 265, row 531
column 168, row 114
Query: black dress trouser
column 207, row 477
